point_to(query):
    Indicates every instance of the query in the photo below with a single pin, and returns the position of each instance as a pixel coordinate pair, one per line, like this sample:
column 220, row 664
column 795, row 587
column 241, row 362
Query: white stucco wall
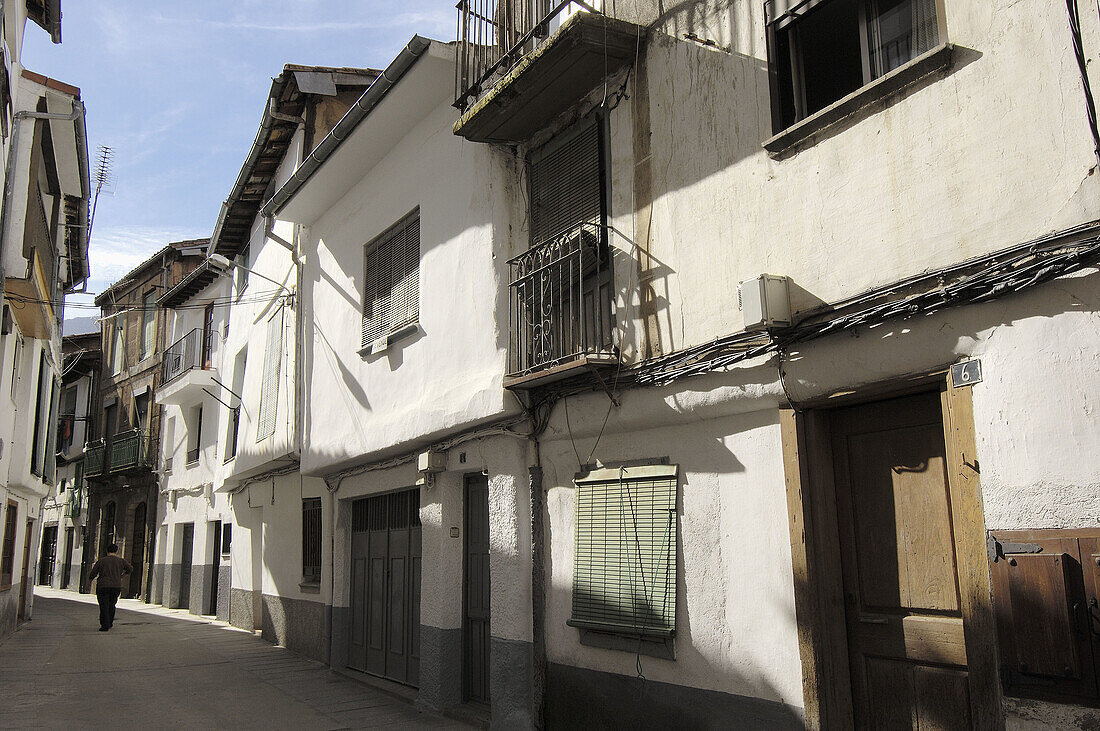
column 448, row 374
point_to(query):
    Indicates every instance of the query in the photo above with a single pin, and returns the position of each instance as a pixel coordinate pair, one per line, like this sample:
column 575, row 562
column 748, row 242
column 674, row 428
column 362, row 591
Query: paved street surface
column 164, row 668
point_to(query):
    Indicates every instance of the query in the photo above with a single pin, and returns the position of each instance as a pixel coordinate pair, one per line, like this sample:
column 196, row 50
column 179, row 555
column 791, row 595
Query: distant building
column 65, row 509
column 120, row 458
column 43, row 256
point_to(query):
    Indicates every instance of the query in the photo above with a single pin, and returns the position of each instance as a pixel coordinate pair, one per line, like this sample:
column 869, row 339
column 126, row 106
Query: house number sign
column 966, row 373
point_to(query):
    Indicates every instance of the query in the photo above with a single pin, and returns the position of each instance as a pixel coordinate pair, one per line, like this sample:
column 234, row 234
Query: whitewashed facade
column 43, row 254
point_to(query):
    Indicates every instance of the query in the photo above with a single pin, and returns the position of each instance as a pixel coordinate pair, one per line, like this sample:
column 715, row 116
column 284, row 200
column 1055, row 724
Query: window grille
column 311, row 539
column 392, row 511
column 7, row 549
column 624, row 569
column 391, row 279
column 269, row 389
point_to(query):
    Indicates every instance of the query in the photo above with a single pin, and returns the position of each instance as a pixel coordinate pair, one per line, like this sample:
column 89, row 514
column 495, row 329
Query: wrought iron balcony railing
column 94, row 453
column 191, row 351
column 560, row 303
column 494, row 35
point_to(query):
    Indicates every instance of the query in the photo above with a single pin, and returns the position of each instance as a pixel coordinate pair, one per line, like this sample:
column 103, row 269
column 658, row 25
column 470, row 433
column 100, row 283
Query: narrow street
column 165, row 668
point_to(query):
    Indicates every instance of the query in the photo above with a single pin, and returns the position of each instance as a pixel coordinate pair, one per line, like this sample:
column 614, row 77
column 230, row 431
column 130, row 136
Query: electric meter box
column 765, row 302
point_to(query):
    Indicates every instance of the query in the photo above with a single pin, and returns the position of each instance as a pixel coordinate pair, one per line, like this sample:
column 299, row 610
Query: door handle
column 874, row 620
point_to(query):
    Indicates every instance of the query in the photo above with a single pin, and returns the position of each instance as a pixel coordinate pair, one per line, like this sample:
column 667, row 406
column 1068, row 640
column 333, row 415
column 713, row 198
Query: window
column 234, row 427
column 227, row 538
column 311, row 540
column 66, row 420
column 624, row 569
column 391, row 280
column 7, row 548
column 240, row 273
column 269, row 387
column 107, row 528
column 194, row 436
column 148, row 324
column 41, row 417
column 169, row 444
column 117, row 348
column 822, row 50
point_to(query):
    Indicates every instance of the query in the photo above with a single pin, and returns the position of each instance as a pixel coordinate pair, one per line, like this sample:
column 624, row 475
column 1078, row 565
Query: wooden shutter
column 624, row 569
column 269, row 389
column 391, row 279
column 566, row 182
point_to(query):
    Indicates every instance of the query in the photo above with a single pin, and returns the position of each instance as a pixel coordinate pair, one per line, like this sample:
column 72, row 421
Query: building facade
column 120, row 458
column 43, row 255
column 64, row 511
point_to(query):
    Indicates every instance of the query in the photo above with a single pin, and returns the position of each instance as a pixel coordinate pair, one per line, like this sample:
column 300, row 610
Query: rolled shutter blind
column 269, row 389
column 391, row 279
column 566, row 183
column 624, row 570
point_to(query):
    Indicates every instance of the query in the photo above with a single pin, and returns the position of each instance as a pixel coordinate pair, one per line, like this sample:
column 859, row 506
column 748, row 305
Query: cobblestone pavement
column 165, row 668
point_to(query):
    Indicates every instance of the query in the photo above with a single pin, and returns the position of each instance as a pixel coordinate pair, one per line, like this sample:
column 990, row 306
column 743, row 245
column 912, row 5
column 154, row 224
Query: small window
column 148, row 324
column 311, row 540
column 227, row 538
column 391, row 276
column 7, row 548
column 66, row 420
column 822, row 50
column 117, row 347
column 194, row 436
column 624, row 562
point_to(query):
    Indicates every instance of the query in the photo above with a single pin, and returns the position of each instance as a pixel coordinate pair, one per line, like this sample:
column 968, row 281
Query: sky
column 177, row 89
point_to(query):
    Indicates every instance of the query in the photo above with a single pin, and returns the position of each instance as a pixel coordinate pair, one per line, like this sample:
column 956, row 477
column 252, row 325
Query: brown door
column 898, row 554
column 137, row 551
column 475, row 640
column 24, row 586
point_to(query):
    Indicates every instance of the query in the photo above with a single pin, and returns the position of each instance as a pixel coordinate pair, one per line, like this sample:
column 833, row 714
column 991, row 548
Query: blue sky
column 177, row 90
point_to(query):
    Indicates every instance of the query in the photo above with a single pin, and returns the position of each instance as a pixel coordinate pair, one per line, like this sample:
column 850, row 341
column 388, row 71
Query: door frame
column 815, row 551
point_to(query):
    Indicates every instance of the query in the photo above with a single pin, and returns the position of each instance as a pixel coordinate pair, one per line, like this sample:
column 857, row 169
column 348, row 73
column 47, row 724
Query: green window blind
column 269, row 389
column 624, row 567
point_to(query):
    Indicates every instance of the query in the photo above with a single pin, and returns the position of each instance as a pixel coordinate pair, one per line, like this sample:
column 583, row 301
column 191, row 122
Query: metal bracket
column 998, row 550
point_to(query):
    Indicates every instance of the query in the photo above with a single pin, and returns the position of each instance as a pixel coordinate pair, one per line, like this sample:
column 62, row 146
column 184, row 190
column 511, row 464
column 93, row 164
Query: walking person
column 110, row 569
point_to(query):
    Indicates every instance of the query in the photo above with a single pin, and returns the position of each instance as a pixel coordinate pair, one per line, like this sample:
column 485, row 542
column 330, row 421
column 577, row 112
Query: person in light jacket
column 110, row 569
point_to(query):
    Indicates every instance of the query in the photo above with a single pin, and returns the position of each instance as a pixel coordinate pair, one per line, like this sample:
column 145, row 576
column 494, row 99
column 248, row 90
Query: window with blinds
column 566, row 182
column 391, row 279
column 311, row 540
column 624, row 567
column 269, row 388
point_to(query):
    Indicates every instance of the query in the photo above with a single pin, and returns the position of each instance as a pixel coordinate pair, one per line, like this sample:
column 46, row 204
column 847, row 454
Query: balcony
column 94, row 452
column 560, row 313
column 187, row 368
column 521, row 64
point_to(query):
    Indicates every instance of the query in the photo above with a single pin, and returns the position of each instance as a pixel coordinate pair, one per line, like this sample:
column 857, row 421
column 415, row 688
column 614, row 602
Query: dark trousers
column 108, row 598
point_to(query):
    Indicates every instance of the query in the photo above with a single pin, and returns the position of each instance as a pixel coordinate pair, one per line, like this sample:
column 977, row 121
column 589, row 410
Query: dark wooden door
column 137, row 551
column 49, row 555
column 385, row 586
column 67, row 566
column 24, row 579
column 186, row 549
column 901, row 586
column 475, row 635
column 217, row 567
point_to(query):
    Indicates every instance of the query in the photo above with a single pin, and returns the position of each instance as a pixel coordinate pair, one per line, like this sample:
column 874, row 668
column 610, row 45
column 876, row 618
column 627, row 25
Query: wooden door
column 217, row 562
column 476, row 585
column 901, row 583
column 24, row 580
column 137, row 551
column 186, row 550
column 67, row 566
column 49, row 555
column 385, row 586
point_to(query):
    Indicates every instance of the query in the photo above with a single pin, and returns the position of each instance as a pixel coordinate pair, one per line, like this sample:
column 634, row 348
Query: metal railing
column 189, row 352
column 493, row 35
column 560, row 301
column 94, row 454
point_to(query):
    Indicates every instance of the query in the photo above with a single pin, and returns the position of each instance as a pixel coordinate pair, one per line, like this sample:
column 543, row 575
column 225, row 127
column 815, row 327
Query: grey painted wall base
column 174, row 576
column 240, row 609
column 9, row 609
column 440, row 667
column 580, row 698
column 511, row 675
column 297, row 625
column 199, row 603
column 156, row 595
column 340, row 632
column 225, row 586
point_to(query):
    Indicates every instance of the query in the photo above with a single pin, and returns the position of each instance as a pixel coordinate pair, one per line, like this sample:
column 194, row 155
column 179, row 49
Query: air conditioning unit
column 765, row 302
